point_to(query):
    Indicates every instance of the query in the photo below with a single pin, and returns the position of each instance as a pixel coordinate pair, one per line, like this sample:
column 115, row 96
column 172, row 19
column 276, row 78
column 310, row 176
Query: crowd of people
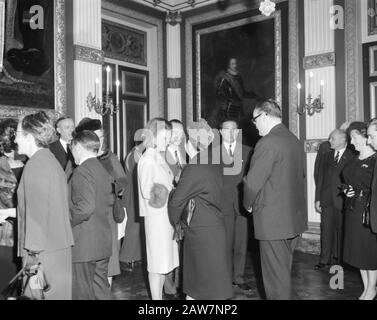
column 65, row 195
column 346, row 194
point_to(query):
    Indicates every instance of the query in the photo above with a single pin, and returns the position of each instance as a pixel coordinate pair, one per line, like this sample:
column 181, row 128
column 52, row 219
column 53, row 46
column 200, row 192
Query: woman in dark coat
column 205, row 269
column 360, row 244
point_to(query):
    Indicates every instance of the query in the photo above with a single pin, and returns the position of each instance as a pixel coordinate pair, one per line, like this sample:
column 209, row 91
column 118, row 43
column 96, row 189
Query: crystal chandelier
column 267, row 7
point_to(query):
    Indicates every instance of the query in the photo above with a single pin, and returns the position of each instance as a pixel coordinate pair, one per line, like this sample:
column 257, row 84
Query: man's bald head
column 338, row 139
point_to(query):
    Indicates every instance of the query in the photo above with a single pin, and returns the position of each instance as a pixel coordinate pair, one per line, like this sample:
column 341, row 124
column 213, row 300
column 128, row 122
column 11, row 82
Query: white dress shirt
column 228, row 145
column 341, row 151
column 64, row 144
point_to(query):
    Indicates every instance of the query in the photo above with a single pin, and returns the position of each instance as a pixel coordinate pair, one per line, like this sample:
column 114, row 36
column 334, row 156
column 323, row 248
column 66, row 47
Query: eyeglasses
column 254, row 120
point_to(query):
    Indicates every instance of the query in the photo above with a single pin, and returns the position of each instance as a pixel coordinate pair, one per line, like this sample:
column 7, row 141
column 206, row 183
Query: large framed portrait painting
column 32, row 59
column 255, row 43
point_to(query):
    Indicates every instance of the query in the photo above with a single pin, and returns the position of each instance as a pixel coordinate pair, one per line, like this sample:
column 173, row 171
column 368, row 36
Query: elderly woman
column 206, row 275
column 10, row 174
column 45, row 233
column 360, row 244
column 155, row 181
column 113, row 166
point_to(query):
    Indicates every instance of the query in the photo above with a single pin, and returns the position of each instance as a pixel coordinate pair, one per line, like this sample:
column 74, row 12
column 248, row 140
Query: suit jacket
column 203, row 183
column 373, row 202
column 152, row 169
column 233, row 172
column 324, row 147
column 63, row 157
column 91, row 203
column 43, row 212
column 275, row 186
column 329, row 179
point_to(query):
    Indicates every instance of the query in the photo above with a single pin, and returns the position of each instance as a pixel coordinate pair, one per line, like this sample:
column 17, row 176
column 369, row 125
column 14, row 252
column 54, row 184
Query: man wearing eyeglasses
column 274, row 191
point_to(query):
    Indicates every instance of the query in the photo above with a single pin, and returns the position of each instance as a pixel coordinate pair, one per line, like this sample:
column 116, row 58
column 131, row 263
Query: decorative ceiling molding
column 176, row 5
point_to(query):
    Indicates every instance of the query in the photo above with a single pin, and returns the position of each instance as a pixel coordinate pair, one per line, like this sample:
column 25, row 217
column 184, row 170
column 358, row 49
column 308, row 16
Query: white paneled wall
column 85, row 77
column 173, row 40
column 175, row 104
column 87, row 33
column 87, row 23
column 173, row 34
column 319, row 38
column 321, row 124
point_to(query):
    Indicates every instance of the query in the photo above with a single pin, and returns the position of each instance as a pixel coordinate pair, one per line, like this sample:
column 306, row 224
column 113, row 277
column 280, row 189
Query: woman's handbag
column 28, row 284
column 185, row 221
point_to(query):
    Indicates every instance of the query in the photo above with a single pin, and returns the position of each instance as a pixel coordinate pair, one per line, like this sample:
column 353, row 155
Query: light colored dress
column 162, row 250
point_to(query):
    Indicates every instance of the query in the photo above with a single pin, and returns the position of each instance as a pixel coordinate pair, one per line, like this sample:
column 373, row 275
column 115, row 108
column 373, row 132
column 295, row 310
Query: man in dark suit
column 234, row 155
column 329, row 200
column 372, row 141
column 91, row 201
column 274, row 191
column 60, row 148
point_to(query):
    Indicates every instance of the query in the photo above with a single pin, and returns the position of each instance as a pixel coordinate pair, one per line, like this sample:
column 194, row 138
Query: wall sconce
column 313, row 105
column 107, row 106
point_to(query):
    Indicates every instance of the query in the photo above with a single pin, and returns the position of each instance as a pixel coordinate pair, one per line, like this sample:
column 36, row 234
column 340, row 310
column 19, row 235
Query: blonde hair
column 151, row 130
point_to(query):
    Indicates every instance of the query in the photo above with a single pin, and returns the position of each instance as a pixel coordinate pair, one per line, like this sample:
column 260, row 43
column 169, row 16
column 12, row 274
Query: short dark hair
column 88, row 139
column 229, row 120
column 40, row 126
column 271, row 107
column 60, row 120
column 360, row 127
column 8, row 129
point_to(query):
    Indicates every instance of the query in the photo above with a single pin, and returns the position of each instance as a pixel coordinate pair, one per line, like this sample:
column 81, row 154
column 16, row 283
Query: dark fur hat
column 89, row 124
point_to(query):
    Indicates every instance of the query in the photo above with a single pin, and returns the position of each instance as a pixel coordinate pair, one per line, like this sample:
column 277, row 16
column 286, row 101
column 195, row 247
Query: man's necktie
column 230, row 151
column 177, row 160
column 336, row 158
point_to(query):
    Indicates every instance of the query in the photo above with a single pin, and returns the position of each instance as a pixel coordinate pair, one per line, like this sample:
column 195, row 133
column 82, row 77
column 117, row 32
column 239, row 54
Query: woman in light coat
column 155, row 181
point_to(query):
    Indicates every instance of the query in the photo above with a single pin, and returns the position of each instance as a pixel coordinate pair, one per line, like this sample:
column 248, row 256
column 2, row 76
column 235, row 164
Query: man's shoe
column 175, row 296
column 321, row 266
column 243, row 286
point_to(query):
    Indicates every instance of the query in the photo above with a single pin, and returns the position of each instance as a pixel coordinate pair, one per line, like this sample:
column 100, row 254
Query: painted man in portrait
column 230, row 93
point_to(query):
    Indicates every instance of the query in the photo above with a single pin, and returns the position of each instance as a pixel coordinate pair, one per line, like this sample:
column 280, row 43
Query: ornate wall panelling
column 153, row 28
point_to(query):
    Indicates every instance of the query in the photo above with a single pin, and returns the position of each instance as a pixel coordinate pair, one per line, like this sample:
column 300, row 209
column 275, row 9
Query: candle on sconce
column 95, row 87
column 311, row 75
column 108, row 69
column 117, row 97
column 298, row 94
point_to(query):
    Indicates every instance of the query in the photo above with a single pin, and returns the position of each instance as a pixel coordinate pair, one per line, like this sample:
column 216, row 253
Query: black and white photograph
column 191, row 156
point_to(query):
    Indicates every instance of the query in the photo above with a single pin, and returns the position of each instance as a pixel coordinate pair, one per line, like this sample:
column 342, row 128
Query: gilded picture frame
column 372, row 17
column 59, row 63
column 219, row 28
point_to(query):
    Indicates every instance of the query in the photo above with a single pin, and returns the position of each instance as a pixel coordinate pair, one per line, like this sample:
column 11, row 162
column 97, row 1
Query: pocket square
column 159, row 196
